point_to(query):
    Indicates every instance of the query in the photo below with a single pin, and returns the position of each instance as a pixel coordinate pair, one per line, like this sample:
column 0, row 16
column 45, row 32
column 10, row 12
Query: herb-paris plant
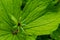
column 36, row 18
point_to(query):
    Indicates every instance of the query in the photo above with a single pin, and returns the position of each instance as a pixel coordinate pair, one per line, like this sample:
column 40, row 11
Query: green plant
column 26, row 19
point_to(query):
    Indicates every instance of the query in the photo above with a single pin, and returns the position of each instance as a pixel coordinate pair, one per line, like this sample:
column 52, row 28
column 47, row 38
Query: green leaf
column 5, row 37
column 36, row 18
column 40, row 21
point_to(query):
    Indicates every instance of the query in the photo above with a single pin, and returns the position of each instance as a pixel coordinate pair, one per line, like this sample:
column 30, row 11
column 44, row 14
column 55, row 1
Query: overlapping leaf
column 36, row 18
